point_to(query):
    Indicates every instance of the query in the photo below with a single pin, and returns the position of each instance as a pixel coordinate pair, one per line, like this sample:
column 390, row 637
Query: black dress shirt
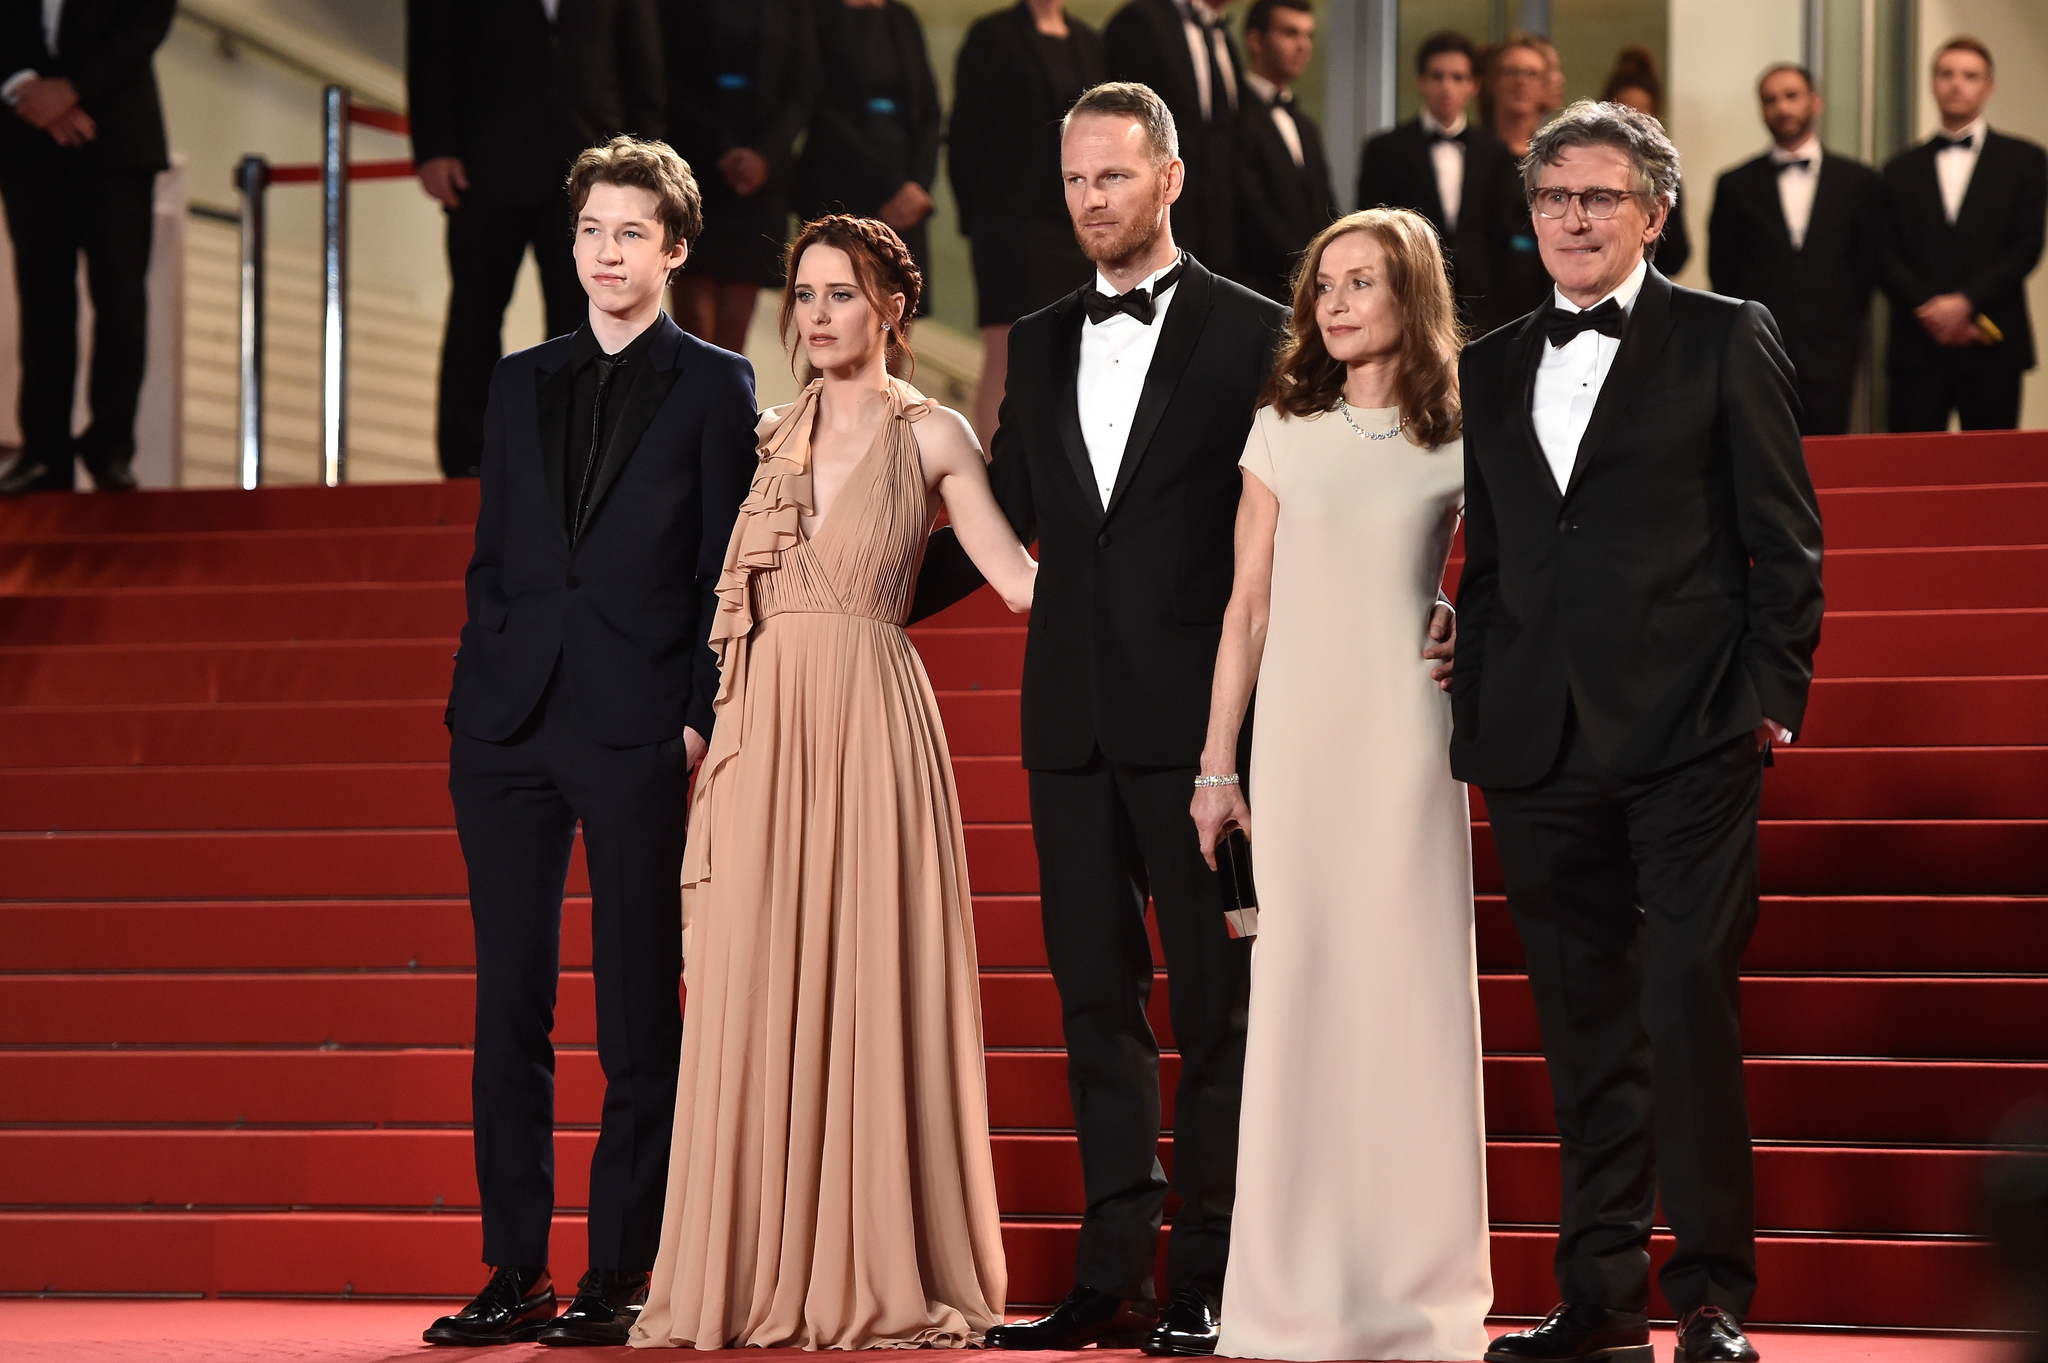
column 589, row 426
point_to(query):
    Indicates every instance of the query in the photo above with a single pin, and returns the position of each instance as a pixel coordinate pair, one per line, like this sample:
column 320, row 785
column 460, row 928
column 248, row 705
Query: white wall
column 1718, row 49
column 2017, row 33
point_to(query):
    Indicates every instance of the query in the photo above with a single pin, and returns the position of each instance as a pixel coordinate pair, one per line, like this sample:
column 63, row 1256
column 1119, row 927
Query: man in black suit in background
column 614, row 463
column 1801, row 231
column 79, row 156
column 1455, row 173
column 1636, row 624
column 1966, row 222
column 1128, row 405
column 1285, row 198
column 1180, row 49
column 504, row 94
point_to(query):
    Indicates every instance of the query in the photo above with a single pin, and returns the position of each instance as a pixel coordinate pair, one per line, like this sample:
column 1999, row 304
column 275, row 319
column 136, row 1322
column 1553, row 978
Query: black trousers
column 1108, row 835
column 487, row 241
column 1634, row 898
column 517, row 804
column 61, row 204
column 1983, row 390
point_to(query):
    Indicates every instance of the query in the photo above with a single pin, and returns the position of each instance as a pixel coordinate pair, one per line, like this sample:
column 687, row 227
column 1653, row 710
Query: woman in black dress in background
column 873, row 149
column 1019, row 71
column 740, row 80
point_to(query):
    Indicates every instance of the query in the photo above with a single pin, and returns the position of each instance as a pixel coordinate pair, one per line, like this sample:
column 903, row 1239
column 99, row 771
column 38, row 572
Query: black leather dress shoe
column 1577, row 1333
column 510, row 1310
column 112, row 478
column 33, row 475
column 607, row 1303
column 1187, row 1328
column 1085, row 1317
column 1710, row 1335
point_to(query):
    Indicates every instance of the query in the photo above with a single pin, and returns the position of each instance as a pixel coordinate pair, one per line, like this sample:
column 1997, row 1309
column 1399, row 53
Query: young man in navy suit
column 615, row 460
column 1967, row 209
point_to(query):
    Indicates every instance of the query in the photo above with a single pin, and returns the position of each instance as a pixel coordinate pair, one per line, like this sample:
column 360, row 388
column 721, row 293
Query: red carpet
column 236, row 952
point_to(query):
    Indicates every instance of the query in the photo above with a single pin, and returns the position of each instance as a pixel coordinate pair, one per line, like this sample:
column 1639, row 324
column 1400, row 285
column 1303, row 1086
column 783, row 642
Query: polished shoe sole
column 1621, row 1353
column 525, row 1334
column 1678, row 1354
column 1176, row 1351
column 1115, row 1339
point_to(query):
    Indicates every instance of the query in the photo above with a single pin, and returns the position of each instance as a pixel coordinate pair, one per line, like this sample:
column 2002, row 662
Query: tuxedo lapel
column 1525, row 352
column 552, row 394
column 1984, row 181
column 1182, row 327
column 1421, row 150
column 1066, row 374
column 1649, row 326
column 1769, row 205
column 649, row 391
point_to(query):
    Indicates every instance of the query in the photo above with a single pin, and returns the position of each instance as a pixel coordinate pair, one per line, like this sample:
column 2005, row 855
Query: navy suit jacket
column 627, row 608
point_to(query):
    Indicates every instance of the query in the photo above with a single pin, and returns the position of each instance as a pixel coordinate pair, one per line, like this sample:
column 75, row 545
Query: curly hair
column 1307, row 380
column 882, row 265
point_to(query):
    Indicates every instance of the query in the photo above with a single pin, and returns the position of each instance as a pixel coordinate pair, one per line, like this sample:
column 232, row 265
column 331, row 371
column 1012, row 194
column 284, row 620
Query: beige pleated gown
column 831, row 1184
column 1360, row 1228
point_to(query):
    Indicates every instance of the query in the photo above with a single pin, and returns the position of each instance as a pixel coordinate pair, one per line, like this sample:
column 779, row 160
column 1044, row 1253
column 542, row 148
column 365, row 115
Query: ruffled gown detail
column 831, row 1183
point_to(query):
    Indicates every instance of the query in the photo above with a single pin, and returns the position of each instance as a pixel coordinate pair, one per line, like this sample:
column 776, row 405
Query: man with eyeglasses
column 1637, row 617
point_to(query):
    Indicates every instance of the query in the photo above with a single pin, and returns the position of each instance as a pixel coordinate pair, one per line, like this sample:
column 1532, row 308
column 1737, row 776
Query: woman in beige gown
column 1360, row 1229
column 831, row 1184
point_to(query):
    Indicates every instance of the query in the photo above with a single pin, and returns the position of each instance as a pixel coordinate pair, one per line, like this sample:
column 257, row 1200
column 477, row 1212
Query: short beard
column 1138, row 233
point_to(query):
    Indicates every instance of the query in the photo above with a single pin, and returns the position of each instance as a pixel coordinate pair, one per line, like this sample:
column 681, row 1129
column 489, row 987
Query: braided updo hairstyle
column 882, row 265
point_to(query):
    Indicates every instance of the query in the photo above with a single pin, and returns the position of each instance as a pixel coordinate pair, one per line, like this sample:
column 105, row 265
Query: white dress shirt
column 1283, row 119
column 1953, row 166
column 1797, row 184
column 1193, row 14
column 1448, row 158
column 53, row 19
column 1568, row 380
column 1115, row 355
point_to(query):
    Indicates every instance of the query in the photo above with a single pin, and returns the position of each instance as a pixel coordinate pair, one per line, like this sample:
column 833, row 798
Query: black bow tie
column 1608, row 319
column 1139, row 303
column 1439, row 135
column 1803, row 162
column 1943, row 142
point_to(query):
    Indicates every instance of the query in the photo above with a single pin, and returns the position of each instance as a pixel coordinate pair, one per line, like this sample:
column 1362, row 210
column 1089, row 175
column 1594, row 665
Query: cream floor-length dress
column 831, row 1184
column 1360, row 1230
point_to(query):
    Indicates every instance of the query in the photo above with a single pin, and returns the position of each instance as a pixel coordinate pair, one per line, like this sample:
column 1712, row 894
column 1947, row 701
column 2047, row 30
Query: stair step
column 239, row 558
column 1799, row 1188
column 187, row 510
column 1932, row 459
column 196, row 615
column 1933, row 643
column 1937, row 1283
column 1932, row 516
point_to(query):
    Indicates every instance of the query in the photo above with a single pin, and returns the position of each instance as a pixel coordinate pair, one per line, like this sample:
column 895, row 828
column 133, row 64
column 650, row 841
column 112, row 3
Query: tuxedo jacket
column 1148, row 44
column 1281, row 206
column 517, row 97
column 1986, row 253
column 1395, row 170
column 1129, row 603
column 1818, row 292
column 785, row 80
column 627, row 609
column 1003, row 142
column 105, row 48
column 1671, row 594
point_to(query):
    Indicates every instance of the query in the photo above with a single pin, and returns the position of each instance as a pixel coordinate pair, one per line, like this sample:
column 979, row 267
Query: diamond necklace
column 1364, row 434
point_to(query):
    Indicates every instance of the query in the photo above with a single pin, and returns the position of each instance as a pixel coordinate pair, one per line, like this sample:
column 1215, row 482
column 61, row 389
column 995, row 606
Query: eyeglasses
column 1594, row 203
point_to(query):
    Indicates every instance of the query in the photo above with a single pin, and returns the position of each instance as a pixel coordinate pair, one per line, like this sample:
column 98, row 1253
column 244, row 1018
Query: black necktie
column 1943, row 142
column 1803, row 162
column 607, row 367
column 1220, row 101
column 1139, row 303
column 1608, row 319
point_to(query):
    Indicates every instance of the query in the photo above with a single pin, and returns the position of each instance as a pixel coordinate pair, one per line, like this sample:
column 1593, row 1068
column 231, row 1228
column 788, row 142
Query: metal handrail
column 253, row 178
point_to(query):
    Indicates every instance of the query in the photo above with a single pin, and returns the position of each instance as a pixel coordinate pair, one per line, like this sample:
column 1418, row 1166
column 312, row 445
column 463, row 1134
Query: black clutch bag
column 1234, row 871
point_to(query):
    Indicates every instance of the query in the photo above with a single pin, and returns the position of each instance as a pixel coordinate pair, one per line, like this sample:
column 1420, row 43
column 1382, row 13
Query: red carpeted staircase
column 236, row 953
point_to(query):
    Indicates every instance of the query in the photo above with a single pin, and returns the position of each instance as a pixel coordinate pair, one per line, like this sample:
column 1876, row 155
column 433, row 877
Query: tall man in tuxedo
column 1284, row 197
column 615, row 460
column 1801, row 231
column 1128, row 405
column 1638, row 611
column 1454, row 172
column 1967, row 211
column 80, row 147
column 504, row 94
column 1181, row 50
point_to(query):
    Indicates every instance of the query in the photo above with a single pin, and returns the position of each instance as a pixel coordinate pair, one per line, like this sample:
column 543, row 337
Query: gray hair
column 1131, row 100
column 1591, row 124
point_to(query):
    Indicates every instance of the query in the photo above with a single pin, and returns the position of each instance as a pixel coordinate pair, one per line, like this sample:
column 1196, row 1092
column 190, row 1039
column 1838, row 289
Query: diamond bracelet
column 1202, row 782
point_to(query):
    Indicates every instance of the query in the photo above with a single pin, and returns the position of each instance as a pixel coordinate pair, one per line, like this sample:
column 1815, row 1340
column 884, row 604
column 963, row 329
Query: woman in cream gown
column 1360, row 1229
column 831, row 1184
